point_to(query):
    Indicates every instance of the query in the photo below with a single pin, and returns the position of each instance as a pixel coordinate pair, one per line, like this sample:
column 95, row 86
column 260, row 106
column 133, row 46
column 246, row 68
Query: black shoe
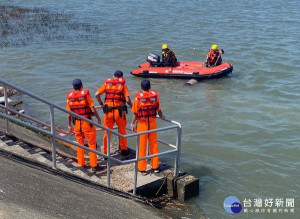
column 156, row 170
column 124, row 152
column 97, row 168
column 144, row 173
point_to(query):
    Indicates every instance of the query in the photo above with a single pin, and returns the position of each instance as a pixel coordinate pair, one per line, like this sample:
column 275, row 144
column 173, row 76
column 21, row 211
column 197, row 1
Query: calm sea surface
column 240, row 133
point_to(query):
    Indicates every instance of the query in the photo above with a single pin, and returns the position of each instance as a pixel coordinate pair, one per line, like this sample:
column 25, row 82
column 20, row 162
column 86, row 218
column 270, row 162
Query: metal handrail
column 52, row 133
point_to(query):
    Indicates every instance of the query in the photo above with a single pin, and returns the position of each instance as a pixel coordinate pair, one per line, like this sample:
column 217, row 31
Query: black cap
column 145, row 84
column 118, row 74
column 77, row 83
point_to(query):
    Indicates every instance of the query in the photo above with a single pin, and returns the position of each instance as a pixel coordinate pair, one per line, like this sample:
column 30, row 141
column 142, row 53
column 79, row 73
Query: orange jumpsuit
column 82, row 128
column 110, row 118
column 147, row 123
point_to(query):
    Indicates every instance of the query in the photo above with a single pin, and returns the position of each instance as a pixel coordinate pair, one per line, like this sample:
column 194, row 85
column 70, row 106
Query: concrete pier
column 38, row 149
column 31, row 191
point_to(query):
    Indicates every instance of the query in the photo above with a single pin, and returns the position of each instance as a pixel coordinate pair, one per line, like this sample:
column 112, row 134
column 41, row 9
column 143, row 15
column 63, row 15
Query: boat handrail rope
column 9, row 112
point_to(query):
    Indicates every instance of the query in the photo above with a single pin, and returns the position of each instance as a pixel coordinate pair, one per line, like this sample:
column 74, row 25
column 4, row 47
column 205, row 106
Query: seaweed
column 23, row 26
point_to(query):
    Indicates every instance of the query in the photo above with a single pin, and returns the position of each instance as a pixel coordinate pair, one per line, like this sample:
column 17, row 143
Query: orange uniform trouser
column 83, row 130
column 110, row 118
column 143, row 125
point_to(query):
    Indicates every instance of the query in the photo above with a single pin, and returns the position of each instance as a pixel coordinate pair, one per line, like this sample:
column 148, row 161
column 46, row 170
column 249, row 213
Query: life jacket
column 147, row 104
column 213, row 56
column 114, row 91
column 165, row 54
column 78, row 102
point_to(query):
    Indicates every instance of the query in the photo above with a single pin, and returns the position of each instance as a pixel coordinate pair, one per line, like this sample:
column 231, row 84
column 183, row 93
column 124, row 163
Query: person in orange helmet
column 213, row 57
column 145, row 107
column 115, row 108
column 79, row 101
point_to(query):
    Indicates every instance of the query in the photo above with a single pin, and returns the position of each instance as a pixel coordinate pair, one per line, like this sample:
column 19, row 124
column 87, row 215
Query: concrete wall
column 37, row 139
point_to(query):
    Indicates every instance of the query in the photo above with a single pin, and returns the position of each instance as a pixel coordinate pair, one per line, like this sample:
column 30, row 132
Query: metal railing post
column 6, row 106
column 53, row 137
column 119, row 141
column 136, row 164
column 177, row 156
column 108, row 159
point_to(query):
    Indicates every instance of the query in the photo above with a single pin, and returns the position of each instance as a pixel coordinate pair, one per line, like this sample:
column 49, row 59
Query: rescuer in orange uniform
column 79, row 101
column 213, row 57
column 145, row 107
column 115, row 109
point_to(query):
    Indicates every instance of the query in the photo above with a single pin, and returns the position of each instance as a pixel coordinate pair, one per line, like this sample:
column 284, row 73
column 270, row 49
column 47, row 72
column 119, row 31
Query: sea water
column 240, row 133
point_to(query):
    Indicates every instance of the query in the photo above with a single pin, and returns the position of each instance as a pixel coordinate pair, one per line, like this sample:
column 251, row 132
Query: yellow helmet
column 214, row 47
column 164, row 46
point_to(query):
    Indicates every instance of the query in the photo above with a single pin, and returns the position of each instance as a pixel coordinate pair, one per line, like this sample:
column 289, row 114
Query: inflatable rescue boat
column 153, row 68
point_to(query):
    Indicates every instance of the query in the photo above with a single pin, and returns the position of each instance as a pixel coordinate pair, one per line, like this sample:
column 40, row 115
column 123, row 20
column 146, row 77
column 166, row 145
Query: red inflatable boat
column 182, row 70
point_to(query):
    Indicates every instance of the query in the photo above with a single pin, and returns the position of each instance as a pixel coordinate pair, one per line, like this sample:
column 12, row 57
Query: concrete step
column 122, row 176
column 183, row 186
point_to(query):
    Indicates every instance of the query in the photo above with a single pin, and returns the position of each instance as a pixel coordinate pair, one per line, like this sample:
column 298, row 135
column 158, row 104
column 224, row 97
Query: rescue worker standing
column 213, row 57
column 79, row 101
column 168, row 56
column 145, row 107
column 115, row 109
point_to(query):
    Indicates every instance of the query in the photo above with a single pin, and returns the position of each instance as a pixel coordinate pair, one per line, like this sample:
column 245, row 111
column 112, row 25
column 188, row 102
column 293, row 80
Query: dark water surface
column 240, row 133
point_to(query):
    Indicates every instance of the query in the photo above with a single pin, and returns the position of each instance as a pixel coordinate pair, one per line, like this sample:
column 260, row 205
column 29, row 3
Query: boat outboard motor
column 153, row 59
